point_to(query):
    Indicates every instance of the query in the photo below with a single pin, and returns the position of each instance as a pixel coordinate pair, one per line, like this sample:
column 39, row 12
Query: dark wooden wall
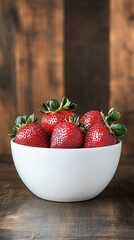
column 87, row 53
column 79, row 48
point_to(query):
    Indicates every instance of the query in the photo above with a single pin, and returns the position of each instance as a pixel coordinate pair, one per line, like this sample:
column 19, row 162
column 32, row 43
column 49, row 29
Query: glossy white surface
column 66, row 174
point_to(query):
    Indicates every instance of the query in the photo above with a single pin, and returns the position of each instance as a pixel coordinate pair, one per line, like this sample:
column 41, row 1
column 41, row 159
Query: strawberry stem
column 53, row 105
column 75, row 119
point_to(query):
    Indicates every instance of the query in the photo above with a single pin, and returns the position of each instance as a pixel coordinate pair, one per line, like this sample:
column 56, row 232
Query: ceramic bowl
column 66, row 175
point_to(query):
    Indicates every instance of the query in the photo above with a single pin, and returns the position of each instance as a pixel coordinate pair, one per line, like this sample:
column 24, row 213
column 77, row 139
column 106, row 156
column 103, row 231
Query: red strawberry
column 67, row 134
column 92, row 117
column 100, row 135
column 56, row 113
column 27, row 132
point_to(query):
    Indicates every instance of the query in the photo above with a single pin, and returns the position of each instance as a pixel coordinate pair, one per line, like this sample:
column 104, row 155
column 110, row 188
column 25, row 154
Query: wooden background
column 81, row 49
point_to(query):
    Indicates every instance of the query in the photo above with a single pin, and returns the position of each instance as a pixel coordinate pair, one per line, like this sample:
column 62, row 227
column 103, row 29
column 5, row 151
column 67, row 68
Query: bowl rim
column 119, row 143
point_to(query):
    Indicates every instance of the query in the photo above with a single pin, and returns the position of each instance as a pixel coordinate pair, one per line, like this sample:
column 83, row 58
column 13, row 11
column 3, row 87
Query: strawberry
column 67, row 134
column 55, row 113
column 101, row 134
column 92, row 117
column 27, row 132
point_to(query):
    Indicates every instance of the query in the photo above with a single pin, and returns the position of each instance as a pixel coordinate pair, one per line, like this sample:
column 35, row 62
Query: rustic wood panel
column 122, row 65
column 55, row 47
column 87, row 53
column 31, row 58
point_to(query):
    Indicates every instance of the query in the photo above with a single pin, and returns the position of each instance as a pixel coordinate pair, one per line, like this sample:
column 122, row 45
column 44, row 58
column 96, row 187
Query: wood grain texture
column 31, row 59
column 87, row 53
column 51, row 48
column 108, row 216
column 122, row 65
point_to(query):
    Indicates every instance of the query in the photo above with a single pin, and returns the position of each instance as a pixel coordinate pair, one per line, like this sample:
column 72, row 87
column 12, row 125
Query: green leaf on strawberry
column 20, row 120
column 113, row 115
column 45, row 107
column 32, row 118
column 119, row 130
column 53, row 105
column 65, row 102
column 76, row 119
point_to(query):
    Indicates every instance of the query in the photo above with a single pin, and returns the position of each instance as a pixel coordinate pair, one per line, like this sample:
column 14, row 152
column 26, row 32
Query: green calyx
column 53, row 105
column 21, row 121
column 113, row 115
column 75, row 119
column 118, row 130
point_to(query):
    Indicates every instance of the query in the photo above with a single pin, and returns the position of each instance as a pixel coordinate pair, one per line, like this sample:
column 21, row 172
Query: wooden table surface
column 108, row 216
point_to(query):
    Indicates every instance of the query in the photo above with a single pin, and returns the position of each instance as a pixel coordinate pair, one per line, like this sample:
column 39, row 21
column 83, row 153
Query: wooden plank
column 7, row 76
column 31, row 58
column 87, row 53
column 122, row 65
column 39, row 52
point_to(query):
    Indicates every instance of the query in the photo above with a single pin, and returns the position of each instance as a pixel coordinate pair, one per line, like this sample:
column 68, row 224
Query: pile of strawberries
column 60, row 127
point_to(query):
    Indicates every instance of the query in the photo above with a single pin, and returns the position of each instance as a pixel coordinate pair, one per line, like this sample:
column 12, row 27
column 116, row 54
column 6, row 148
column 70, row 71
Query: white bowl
column 66, row 175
